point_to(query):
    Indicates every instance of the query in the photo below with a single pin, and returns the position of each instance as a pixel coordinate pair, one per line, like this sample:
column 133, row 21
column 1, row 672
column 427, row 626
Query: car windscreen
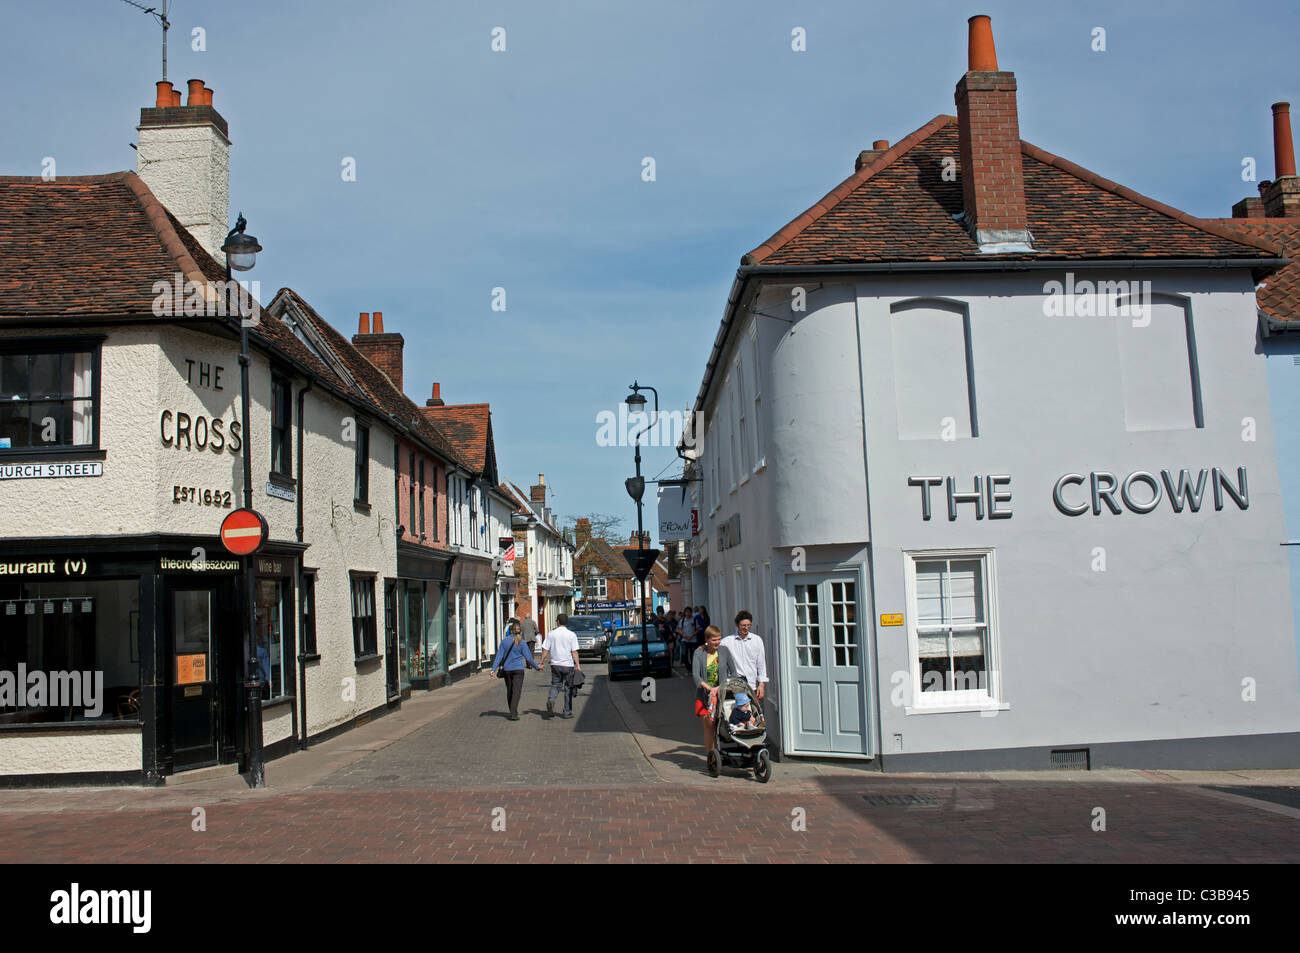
column 584, row 625
column 629, row 637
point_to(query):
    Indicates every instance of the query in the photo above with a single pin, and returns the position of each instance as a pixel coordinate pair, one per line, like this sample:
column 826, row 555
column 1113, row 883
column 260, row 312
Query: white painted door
column 827, row 654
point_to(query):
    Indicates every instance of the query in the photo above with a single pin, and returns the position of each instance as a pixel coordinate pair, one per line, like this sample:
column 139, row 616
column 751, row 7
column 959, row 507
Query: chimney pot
column 196, row 92
column 436, row 400
column 364, row 327
column 207, row 96
column 981, row 54
column 1283, row 149
column 880, row 144
column 437, row 389
column 163, row 99
column 379, row 322
column 176, row 97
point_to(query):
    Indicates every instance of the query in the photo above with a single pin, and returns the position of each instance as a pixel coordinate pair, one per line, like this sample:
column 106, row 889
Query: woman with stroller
column 711, row 667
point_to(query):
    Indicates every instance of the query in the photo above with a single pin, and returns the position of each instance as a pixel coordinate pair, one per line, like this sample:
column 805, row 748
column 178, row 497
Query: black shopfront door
column 200, row 661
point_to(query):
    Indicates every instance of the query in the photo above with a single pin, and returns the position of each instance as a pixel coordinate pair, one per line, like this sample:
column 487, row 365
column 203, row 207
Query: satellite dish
column 498, row 564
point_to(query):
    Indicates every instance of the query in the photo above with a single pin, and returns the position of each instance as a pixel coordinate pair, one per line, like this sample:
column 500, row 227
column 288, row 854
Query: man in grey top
column 529, row 628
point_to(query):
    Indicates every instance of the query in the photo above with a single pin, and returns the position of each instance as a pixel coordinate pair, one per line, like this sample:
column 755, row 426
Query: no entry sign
column 244, row 531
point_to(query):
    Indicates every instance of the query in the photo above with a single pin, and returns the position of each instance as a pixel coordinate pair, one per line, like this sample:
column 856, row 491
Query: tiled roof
column 88, row 245
column 93, row 246
column 1279, row 294
column 467, row 428
column 901, row 207
column 377, row 386
column 511, row 493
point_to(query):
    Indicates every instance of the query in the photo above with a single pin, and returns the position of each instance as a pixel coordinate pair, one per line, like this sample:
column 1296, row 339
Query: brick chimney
column 870, row 155
column 537, row 492
column 988, row 128
column 582, row 532
column 1282, row 196
column 382, row 350
column 184, row 157
column 436, row 400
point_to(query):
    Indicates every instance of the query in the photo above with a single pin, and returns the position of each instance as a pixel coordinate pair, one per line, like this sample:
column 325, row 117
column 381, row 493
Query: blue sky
column 522, row 169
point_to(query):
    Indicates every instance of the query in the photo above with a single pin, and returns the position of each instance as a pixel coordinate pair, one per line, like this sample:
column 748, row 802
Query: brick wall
column 992, row 179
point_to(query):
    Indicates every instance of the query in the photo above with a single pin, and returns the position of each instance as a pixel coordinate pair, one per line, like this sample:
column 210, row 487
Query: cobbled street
column 624, row 781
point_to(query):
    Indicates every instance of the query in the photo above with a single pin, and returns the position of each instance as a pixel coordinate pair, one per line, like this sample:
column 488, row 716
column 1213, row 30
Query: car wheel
column 715, row 763
column 763, row 766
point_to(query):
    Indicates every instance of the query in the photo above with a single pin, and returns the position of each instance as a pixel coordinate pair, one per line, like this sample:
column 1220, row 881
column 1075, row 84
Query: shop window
column 78, row 643
column 365, row 631
column 952, row 633
column 48, row 397
column 281, row 426
column 308, row 600
column 274, row 647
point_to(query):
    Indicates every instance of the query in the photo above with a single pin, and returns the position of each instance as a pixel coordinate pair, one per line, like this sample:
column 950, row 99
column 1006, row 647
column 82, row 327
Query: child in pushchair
column 741, row 732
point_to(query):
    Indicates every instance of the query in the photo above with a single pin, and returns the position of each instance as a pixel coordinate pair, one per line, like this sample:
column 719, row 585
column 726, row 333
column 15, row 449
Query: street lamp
column 241, row 254
column 636, row 489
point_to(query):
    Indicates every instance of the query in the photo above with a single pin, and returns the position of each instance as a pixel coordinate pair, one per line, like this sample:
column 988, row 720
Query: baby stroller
column 740, row 747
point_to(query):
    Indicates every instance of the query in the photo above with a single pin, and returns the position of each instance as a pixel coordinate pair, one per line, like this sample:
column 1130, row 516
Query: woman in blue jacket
column 512, row 655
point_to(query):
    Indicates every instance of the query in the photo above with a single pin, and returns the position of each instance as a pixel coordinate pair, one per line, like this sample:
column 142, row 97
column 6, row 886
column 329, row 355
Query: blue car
column 625, row 652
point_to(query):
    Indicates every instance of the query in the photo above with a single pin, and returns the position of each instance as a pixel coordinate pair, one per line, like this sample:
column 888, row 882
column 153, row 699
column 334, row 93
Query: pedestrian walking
column 747, row 653
column 529, row 628
column 710, row 667
column 561, row 650
column 512, row 656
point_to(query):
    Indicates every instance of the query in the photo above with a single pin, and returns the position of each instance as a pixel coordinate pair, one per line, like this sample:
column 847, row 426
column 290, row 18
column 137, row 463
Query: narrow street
column 449, row 779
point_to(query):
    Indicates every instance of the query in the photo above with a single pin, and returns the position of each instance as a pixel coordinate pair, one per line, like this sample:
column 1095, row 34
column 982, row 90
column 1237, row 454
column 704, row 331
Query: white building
column 989, row 457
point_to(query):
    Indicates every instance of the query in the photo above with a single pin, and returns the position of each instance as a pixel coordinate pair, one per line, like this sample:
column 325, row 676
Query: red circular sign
column 243, row 532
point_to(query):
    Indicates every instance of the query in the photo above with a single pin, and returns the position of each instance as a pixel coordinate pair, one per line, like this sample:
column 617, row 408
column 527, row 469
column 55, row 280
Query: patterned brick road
column 470, row 786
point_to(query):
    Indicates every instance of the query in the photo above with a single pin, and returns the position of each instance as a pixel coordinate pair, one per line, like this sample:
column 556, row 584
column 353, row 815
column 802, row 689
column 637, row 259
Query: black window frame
column 56, row 345
column 361, row 469
column 282, row 434
column 307, row 613
column 410, row 496
column 365, row 628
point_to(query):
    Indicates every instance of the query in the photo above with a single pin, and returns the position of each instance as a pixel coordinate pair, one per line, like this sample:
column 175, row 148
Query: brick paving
column 589, row 790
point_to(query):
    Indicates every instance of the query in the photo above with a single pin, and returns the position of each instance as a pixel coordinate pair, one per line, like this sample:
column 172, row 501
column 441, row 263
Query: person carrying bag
column 512, row 655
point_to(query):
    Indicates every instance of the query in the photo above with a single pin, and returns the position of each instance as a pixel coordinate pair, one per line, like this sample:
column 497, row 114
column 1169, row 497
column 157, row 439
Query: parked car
column 593, row 638
column 625, row 652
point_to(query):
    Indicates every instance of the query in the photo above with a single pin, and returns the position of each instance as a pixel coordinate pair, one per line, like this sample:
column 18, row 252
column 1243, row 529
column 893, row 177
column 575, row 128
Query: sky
column 524, row 169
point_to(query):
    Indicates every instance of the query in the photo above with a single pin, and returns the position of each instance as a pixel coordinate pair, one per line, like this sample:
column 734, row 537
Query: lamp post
column 636, row 489
column 241, row 254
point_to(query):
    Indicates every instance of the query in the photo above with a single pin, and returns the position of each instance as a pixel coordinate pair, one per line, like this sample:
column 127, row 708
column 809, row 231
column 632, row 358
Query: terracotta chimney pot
column 880, row 144
column 1283, row 149
column 176, row 97
column 196, row 92
column 379, row 322
column 980, row 52
column 164, row 96
column 364, row 327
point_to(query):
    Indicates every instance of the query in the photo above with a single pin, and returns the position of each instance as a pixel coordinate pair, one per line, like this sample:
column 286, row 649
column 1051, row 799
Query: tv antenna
column 162, row 19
